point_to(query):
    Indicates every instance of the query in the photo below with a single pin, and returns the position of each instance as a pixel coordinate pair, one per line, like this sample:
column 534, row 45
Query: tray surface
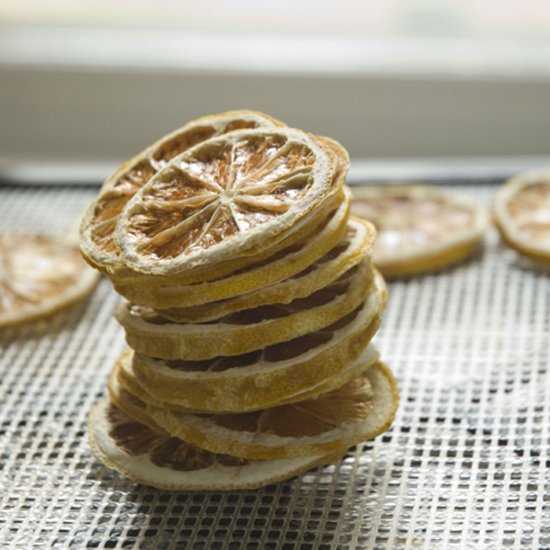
column 465, row 465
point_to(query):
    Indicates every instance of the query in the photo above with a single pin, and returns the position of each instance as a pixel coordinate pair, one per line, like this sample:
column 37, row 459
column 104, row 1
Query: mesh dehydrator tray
column 466, row 463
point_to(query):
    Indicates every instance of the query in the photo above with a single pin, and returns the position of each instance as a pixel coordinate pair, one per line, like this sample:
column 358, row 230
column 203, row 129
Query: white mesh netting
column 466, row 463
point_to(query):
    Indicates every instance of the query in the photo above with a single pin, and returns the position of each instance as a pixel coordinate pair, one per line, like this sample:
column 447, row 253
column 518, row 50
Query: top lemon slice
column 39, row 275
column 97, row 243
column 274, row 268
column 420, row 228
column 522, row 213
column 226, row 196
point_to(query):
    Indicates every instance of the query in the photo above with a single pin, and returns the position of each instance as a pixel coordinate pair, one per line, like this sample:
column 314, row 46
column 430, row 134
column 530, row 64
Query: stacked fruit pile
column 251, row 304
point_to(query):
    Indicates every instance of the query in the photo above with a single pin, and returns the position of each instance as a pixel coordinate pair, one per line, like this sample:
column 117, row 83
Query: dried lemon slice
column 359, row 410
column 226, row 196
column 354, row 246
column 283, row 265
column 265, row 377
column 248, row 330
column 39, row 275
column 152, row 458
column 306, row 228
column 522, row 213
column 420, row 228
column 100, row 220
column 122, row 381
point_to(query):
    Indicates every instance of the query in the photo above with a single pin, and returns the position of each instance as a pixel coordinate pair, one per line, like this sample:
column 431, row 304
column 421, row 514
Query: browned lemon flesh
column 224, row 197
column 302, row 231
column 146, row 456
column 248, row 330
column 39, row 275
column 420, row 228
column 265, row 377
column 274, row 269
column 353, row 248
column 359, row 410
column 522, row 213
column 97, row 243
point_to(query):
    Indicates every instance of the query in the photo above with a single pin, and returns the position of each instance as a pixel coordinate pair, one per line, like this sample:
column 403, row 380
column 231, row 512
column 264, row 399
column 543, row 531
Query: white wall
column 104, row 96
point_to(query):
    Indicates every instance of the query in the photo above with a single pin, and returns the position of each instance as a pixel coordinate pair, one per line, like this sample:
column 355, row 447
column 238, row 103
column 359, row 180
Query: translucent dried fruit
column 40, row 275
column 522, row 213
column 420, row 228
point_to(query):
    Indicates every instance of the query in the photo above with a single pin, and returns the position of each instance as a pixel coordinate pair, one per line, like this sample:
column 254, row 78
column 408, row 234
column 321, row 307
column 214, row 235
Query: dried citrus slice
column 353, row 248
column 265, row 377
column 247, row 330
column 306, row 227
column 226, row 196
column 420, row 228
column 152, row 458
column 359, row 410
column 122, row 381
column 283, row 265
column 522, row 213
column 100, row 220
column 39, row 275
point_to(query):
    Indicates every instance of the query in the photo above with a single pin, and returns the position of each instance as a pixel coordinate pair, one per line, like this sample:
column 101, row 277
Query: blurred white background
column 98, row 80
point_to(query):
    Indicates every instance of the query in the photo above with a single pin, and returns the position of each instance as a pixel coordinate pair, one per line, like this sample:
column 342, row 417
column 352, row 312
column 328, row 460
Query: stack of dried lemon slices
column 251, row 304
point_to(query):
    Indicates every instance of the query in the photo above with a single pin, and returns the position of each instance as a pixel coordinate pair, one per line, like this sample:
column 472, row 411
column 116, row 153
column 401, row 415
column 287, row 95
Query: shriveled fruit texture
column 279, row 267
column 155, row 458
column 97, row 236
column 225, row 196
column 39, row 275
column 522, row 213
column 251, row 302
column 420, row 228
column 248, row 330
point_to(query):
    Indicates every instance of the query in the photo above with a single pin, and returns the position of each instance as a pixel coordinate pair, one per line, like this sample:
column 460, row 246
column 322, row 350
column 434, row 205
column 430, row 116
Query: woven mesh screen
column 466, row 463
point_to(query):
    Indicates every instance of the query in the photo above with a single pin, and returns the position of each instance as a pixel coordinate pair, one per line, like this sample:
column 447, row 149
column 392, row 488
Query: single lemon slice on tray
column 157, row 459
column 522, row 213
column 40, row 275
column 420, row 228
column 262, row 378
column 97, row 230
column 248, row 330
column 354, row 246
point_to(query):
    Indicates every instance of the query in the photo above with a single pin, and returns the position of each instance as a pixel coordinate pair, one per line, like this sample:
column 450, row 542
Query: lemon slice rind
column 347, row 253
column 192, row 341
column 263, row 384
